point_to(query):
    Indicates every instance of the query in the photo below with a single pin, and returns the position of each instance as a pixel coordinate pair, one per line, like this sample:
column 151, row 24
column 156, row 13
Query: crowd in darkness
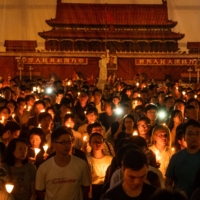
column 69, row 140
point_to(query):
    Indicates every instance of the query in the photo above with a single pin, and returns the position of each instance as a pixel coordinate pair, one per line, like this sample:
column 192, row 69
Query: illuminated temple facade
column 117, row 27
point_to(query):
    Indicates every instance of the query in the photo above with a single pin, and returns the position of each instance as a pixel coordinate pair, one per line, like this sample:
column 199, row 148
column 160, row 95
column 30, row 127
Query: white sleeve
column 86, row 181
column 40, row 179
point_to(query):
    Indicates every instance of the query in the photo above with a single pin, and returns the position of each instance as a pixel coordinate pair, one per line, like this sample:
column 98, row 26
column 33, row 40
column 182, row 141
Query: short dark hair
column 69, row 116
column 40, row 133
column 91, row 126
column 92, row 109
column 135, row 160
column 62, row 130
column 43, row 115
column 190, row 122
column 166, row 194
column 130, row 117
column 5, row 107
column 12, row 126
column 28, row 97
column 40, row 102
column 189, row 107
column 123, row 149
column 20, row 99
column 151, row 107
column 138, row 140
column 9, row 158
column 146, row 119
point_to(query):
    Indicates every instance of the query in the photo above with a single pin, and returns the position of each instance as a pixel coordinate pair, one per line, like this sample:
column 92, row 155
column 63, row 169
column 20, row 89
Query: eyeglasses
column 65, row 142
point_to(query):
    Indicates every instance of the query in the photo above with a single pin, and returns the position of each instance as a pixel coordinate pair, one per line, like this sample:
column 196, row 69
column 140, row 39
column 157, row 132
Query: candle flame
column 84, row 138
column 45, row 147
column 37, row 150
column 9, row 187
column 135, row 133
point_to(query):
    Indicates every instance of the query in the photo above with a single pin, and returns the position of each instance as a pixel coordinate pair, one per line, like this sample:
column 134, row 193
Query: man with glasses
column 185, row 163
column 63, row 176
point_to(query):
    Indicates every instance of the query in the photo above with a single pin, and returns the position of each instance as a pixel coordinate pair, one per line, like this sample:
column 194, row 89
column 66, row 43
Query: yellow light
column 45, row 147
column 37, row 150
column 135, row 133
column 9, row 187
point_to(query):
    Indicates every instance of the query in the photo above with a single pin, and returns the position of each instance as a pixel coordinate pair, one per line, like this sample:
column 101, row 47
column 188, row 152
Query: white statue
column 103, row 70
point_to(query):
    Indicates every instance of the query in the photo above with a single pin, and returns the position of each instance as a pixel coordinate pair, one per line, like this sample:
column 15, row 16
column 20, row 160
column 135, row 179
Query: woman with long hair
column 99, row 162
column 175, row 119
column 161, row 146
column 20, row 172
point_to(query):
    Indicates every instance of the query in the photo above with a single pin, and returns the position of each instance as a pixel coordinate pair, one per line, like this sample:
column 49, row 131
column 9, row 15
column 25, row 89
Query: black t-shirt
column 106, row 120
column 118, row 193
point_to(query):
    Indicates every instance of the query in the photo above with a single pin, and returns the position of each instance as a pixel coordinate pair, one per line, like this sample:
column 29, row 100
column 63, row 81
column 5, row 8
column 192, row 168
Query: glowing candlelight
column 68, row 112
column 68, row 83
column 135, row 133
column 42, row 90
column 25, row 107
column 164, row 124
column 85, row 112
column 39, row 126
column 37, row 150
column 43, row 110
column 139, row 95
column 37, row 99
column 29, row 108
column 158, row 156
column 34, row 89
column 183, row 92
column 13, row 116
column 68, row 125
column 173, row 149
column 45, row 147
column 177, row 88
column 195, row 96
column 79, row 93
column 2, row 119
column 137, row 84
column 84, row 138
column 9, row 187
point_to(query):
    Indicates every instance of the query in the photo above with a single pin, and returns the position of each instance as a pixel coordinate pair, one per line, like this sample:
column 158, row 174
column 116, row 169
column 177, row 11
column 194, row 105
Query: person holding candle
column 4, row 114
column 129, row 123
column 36, row 139
column 99, row 163
column 11, row 105
column 161, row 146
column 20, row 172
column 21, row 114
column 69, row 120
column 63, row 176
column 45, row 121
column 38, row 107
column 3, row 178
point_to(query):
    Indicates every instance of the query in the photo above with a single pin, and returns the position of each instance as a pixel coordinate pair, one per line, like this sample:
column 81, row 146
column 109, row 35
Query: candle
column 45, row 147
column 37, row 150
column 43, row 110
column 39, row 126
column 68, row 83
column 158, row 156
column 85, row 138
column 177, row 88
column 164, row 124
column 137, row 84
column 68, row 112
column 135, row 133
column 25, row 107
column 2, row 119
column 183, row 92
column 13, row 115
column 85, row 112
column 138, row 95
column 195, row 96
column 9, row 187
column 79, row 93
column 173, row 149
column 29, row 108
column 68, row 125
column 34, row 89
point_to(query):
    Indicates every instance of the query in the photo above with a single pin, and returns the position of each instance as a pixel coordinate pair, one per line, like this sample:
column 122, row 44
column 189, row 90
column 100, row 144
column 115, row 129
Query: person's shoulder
column 77, row 160
column 113, row 193
column 30, row 165
column 46, row 164
column 149, row 188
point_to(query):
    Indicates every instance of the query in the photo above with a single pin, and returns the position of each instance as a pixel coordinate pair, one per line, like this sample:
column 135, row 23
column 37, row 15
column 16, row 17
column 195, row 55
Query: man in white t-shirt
column 63, row 176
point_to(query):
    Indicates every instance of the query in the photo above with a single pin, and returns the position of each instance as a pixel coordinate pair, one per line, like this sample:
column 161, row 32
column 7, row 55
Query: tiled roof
column 81, row 34
column 115, row 14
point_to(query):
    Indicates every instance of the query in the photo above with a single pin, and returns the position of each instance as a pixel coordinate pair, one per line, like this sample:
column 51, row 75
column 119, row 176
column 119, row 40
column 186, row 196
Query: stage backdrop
column 23, row 19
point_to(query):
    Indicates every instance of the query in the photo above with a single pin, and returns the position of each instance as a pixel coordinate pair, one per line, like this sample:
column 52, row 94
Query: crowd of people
column 73, row 141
